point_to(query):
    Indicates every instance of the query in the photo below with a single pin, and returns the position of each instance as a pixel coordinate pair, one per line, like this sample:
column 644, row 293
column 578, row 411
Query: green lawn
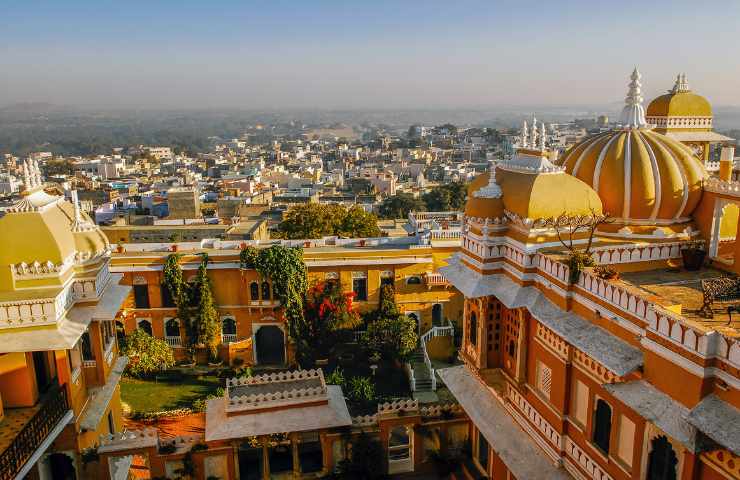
column 166, row 394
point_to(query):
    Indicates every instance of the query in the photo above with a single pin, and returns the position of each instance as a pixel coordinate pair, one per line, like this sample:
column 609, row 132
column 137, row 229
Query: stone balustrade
column 277, row 377
column 396, row 406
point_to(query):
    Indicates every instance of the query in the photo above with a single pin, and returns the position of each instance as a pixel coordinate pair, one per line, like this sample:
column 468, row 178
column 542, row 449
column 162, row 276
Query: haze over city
column 359, row 55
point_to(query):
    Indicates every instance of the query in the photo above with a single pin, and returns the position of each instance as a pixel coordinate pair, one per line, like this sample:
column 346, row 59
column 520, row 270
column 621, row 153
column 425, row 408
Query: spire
column 533, row 139
column 543, row 136
column 26, row 176
column 525, row 135
column 633, row 113
column 37, row 173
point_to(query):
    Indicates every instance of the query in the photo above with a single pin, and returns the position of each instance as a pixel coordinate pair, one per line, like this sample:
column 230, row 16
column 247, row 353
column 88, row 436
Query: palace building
column 59, row 363
column 624, row 366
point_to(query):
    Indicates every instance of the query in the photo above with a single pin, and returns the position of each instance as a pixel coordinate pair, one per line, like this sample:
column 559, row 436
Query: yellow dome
column 640, row 175
column 482, row 207
column 679, row 104
column 545, row 195
column 39, row 228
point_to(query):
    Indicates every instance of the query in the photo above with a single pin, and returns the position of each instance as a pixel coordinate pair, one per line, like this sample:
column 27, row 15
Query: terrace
column 680, row 291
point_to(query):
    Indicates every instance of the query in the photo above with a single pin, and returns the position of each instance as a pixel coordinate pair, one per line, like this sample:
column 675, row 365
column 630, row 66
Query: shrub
column 147, row 355
column 606, row 272
column 336, row 377
column 365, row 457
column 361, row 389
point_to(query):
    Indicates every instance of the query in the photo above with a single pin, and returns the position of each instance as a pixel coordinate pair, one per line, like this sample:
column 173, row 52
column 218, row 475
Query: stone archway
column 270, row 345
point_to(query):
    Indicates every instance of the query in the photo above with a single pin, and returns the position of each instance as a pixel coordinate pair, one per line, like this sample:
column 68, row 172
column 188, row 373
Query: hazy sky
column 353, row 54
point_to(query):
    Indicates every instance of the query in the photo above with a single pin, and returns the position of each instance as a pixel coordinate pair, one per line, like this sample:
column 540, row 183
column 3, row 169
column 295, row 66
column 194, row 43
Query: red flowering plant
column 327, row 311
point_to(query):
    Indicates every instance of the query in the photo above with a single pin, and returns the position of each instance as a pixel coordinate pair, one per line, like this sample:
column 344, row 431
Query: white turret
column 543, row 136
column 27, row 176
column 525, row 135
column 633, row 113
column 533, row 139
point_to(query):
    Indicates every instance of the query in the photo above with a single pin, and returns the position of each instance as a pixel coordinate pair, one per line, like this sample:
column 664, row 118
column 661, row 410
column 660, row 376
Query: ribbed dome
column 640, row 175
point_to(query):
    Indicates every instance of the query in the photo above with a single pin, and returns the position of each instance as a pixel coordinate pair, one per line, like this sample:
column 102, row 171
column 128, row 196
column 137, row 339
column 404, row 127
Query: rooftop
column 680, row 290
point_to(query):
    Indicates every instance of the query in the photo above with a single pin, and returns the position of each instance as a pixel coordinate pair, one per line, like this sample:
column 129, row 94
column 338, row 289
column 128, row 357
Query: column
column 296, row 459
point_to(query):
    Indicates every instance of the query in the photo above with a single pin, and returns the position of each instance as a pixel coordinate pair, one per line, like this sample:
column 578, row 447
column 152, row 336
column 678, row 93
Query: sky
column 404, row 54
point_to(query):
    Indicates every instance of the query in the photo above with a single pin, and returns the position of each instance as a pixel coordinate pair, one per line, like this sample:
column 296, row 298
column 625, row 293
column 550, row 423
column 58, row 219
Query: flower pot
column 693, row 258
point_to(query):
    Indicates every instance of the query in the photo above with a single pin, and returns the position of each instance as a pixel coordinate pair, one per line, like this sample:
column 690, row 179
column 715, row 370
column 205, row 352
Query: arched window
column 145, row 325
column 254, row 291
column 512, row 348
column 414, row 280
column 662, row 460
column 602, row 425
column 265, row 290
column 172, row 328
column 228, row 326
column 473, row 331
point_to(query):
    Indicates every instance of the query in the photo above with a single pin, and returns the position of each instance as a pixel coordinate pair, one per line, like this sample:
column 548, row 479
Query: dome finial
column 26, row 176
column 633, row 113
column 533, row 140
column 492, row 190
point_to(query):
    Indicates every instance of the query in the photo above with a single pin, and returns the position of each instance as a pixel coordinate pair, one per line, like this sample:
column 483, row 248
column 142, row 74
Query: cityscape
column 231, row 249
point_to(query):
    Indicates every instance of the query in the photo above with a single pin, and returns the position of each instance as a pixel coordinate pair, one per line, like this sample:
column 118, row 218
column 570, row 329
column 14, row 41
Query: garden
column 323, row 324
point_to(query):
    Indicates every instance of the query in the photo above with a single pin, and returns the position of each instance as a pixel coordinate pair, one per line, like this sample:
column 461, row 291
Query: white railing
column 173, row 341
column 89, row 364
column 357, row 335
column 410, row 374
column 109, row 351
column 446, row 234
column 443, row 331
column 228, row 337
column 435, row 278
column 712, row 166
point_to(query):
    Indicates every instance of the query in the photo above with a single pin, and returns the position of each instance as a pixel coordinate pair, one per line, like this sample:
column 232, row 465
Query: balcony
column 435, row 279
column 173, row 341
column 26, row 433
column 228, row 338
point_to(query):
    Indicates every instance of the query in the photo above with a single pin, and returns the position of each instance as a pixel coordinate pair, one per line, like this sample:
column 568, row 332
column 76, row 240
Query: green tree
column 208, row 330
column 446, row 197
column 327, row 311
column 399, row 206
column 146, row 354
column 389, row 331
column 315, row 220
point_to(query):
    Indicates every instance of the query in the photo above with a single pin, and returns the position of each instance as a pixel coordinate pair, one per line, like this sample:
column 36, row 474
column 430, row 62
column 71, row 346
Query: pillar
column 296, row 459
column 266, row 457
column 726, row 163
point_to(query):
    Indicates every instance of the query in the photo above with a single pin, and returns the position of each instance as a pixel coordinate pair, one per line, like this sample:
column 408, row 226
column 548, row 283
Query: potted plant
column 693, row 257
column 606, row 272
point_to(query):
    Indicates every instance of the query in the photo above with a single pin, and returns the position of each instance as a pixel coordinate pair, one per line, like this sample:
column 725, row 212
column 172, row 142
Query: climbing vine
column 285, row 267
column 195, row 305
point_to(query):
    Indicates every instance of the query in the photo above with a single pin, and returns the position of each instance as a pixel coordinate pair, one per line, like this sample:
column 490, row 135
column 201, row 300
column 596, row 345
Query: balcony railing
column 53, row 408
column 173, row 341
column 228, row 337
column 435, row 279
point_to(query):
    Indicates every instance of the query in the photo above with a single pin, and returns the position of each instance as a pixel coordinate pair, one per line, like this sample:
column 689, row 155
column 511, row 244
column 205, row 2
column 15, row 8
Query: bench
column 725, row 290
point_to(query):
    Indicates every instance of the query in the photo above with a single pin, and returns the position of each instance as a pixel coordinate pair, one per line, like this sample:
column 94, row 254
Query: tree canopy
column 389, row 331
column 315, row 220
column 446, row 197
column 399, row 206
column 146, row 354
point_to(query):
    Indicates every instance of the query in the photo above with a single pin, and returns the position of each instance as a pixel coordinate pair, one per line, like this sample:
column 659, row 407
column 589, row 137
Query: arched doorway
column 270, row 345
column 62, row 467
column 437, row 315
column 662, row 460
